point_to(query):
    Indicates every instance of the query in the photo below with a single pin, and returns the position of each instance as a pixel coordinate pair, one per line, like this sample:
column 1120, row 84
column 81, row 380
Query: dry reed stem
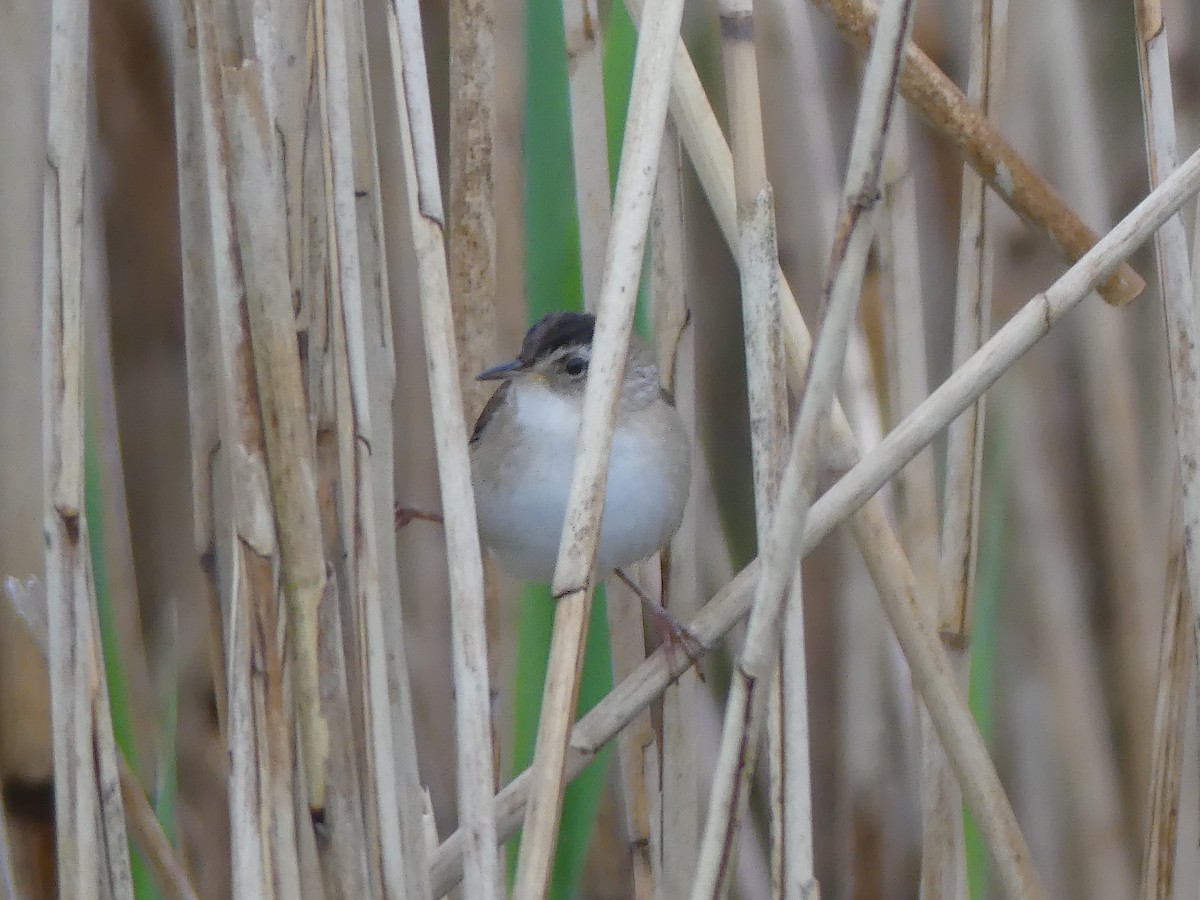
column 472, row 215
column 1170, row 716
column 468, row 619
column 843, row 282
column 28, row 601
column 676, row 817
column 262, row 822
column 260, row 226
column 576, row 557
column 376, row 644
column 92, row 853
column 758, row 255
column 1183, row 358
column 943, row 105
column 589, row 139
column 791, row 841
column 943, row 869
column 943, row 874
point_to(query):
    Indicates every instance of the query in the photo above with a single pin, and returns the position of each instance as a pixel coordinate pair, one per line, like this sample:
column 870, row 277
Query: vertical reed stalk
column 678, row 796
column 92, row 853
column 426, row 220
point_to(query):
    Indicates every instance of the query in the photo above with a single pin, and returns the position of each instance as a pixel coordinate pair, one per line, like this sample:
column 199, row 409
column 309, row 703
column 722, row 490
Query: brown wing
column 489, row 410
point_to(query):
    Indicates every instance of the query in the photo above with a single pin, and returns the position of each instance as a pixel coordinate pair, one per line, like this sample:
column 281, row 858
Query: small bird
column 523, row 453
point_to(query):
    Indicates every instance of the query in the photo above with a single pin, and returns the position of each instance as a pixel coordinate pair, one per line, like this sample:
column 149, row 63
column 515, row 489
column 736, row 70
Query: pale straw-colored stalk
column 889, row 567
column 1183, row 360
column 843, row 281
column 468, row 619
column 943, row 869
column 676, row 818
column 28, row 601
column 92, row 854
column 573, row 577
column 758, row 255
column 944, row 106
column 388, row 757
column 262, row 821
column 589, row 139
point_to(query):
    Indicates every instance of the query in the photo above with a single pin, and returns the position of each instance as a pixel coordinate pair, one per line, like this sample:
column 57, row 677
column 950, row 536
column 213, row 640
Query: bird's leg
column 669, row 630
column 404, row 515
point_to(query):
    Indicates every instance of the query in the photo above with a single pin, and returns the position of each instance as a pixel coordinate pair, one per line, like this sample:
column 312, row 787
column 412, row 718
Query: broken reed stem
column 92, row 853
column 589, row 140
column 576, row 556
column 852, row 240
column 1179, row 294
column 675, row 834
column 468, row 619
column 943, row 105
column 889, row 566
column 766, row 381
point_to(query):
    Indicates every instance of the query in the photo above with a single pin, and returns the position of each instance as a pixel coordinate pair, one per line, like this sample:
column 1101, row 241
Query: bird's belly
column 521, row 515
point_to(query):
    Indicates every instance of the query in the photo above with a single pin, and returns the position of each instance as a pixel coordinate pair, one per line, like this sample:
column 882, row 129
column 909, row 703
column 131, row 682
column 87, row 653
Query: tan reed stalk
column 889, row 567
column 1183, row 359
column 676, row 820
column 468, row 620
column 589, row 139
column 259, row 727
column 1170, row 717
column 573, row 571
column 376, row 647
column 1058, row 621
column 471, row 248
column 943, row 869
column 943, row 105
column 1110, row 387
column 28, row 601
column 758, row 254
column 843, row 282
column 92, row 853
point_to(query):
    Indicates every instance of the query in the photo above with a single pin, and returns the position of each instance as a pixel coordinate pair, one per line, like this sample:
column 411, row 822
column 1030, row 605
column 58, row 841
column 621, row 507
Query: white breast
column 522, row 509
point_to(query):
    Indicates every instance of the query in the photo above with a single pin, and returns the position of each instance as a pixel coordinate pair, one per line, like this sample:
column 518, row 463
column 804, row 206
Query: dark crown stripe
column 555, row 331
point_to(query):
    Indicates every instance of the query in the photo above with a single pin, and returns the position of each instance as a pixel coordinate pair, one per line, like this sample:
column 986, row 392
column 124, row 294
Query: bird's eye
column 575, row 366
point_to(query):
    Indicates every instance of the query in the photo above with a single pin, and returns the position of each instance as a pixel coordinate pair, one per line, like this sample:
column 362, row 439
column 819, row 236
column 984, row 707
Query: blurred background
column 1078, row 477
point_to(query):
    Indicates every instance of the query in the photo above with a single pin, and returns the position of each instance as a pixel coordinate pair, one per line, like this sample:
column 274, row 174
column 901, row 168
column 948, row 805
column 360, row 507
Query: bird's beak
column 502, row 371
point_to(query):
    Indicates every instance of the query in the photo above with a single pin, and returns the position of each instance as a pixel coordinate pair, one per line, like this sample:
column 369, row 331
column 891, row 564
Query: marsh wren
column 523, row 454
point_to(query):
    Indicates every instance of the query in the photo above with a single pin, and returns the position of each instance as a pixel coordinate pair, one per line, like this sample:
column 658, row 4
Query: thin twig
column 468, row 619
column 943, row 105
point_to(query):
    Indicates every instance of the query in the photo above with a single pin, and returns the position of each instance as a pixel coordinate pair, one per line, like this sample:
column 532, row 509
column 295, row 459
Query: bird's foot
column 671, row 633
column 405, row 515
